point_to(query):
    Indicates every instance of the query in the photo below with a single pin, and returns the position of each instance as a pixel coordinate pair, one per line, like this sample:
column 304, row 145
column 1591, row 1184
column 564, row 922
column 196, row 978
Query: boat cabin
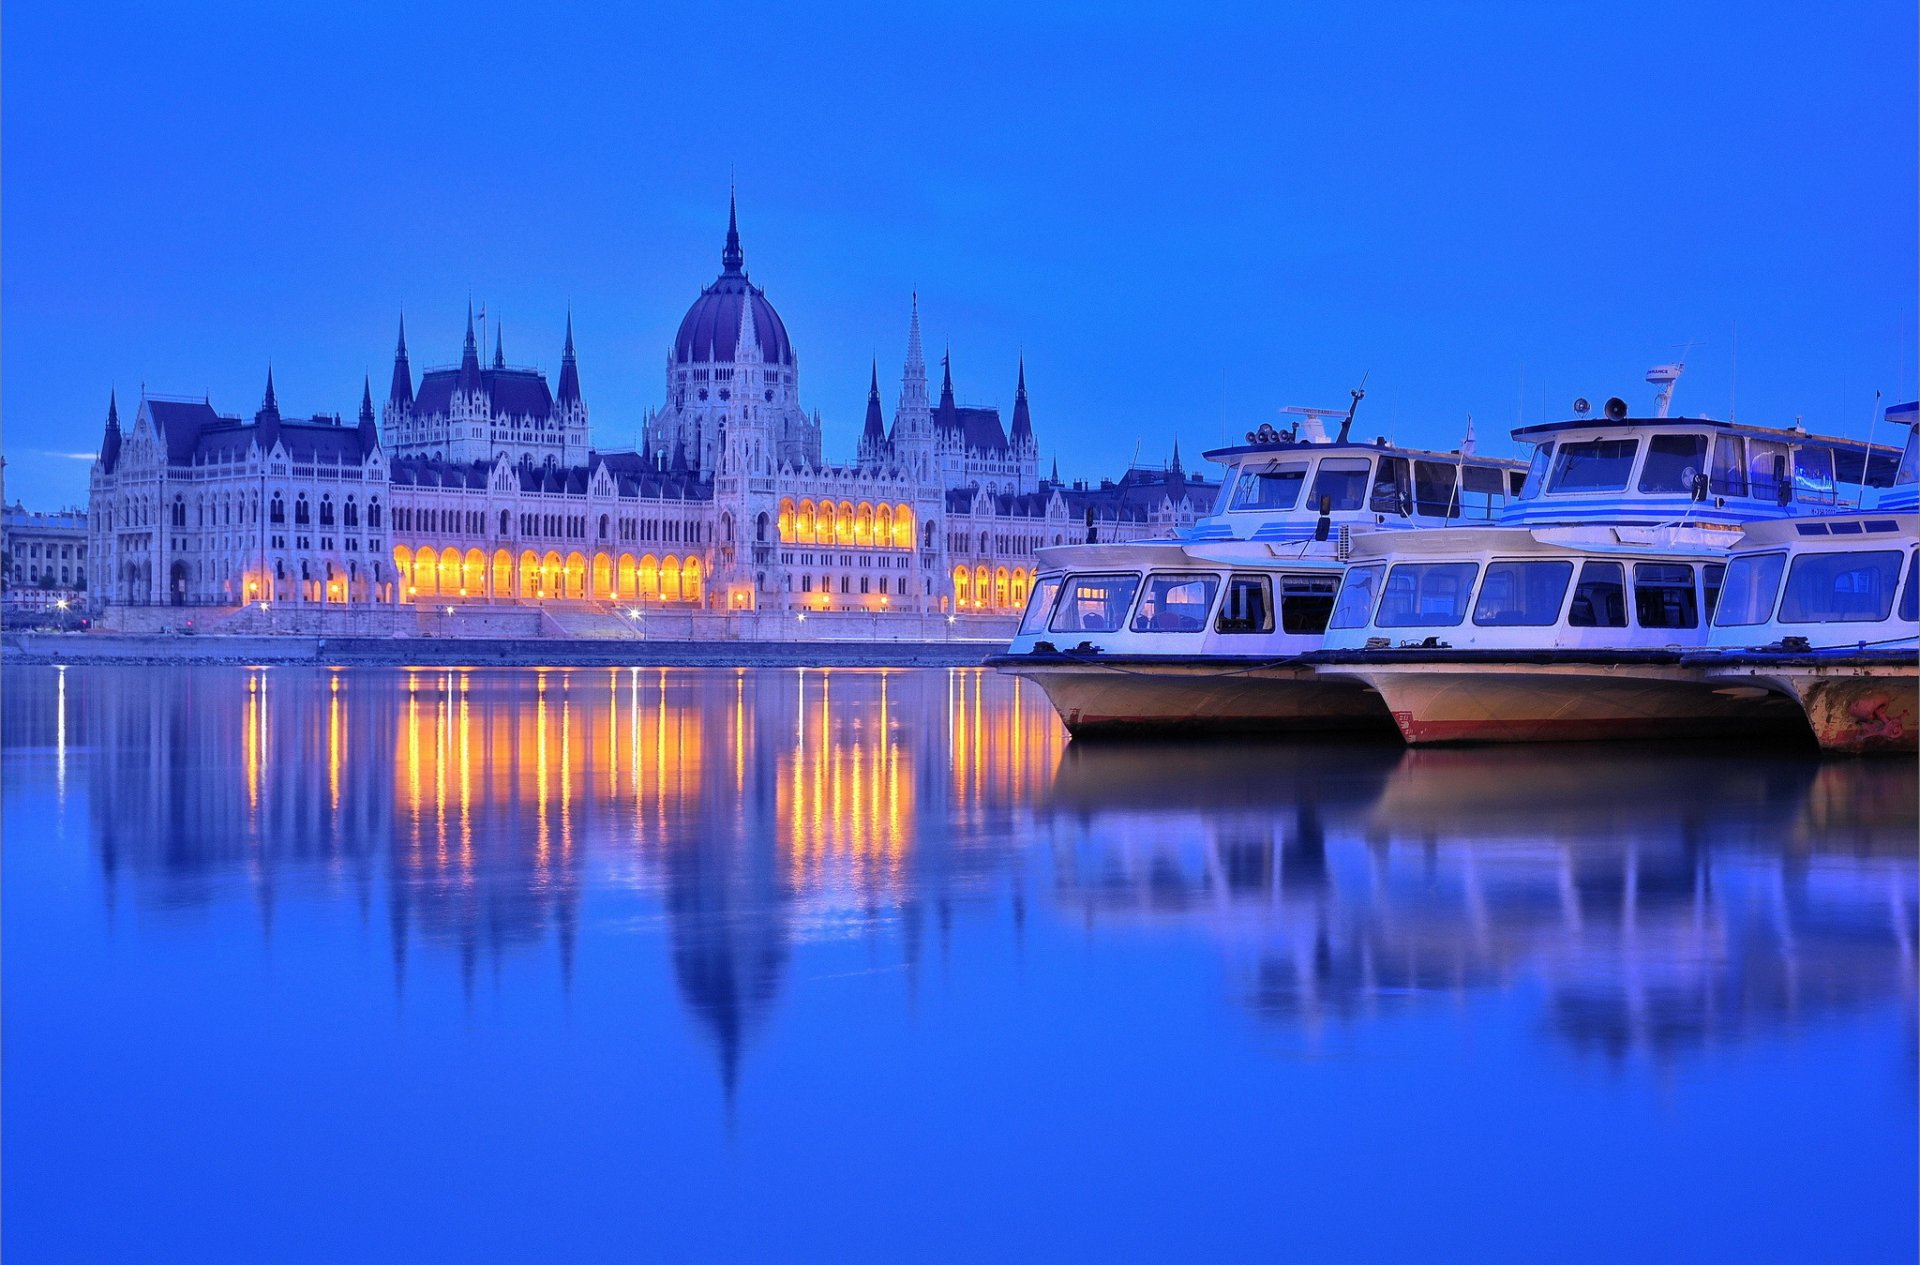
column 1843, row 582
column 1662, row 471
column 1506, row 590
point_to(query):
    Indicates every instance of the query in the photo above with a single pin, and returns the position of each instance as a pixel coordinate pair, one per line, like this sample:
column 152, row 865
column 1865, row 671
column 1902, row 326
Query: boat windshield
column 1910, row 595
column 1045, row 589
column 1357, row 591
column 1272, row 487
column 1522, row 594
column 1593, row 465
column 1813, row 476
column 1176, row 602
column 1841, row 588
column 1747, row 593
column 1342, row 481
column 1673, row 462
column 1909, row 469
column 1426, row 594
column 1095, row 603
column 1537, row 472
column 1434, row 493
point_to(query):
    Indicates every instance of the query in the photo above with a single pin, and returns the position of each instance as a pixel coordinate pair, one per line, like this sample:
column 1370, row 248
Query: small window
column 1536, row 481
column 1813, row 476
column 1433, row 489
column 1767, row 469
column 1729, row 474
column 1392, row 487
column 1095, row 603
column 1040, row 604
column 1664, row 596
column 1673, row 462
column 1489, row 479
column 1747, row 593
column 1248, row 606
column 1306, row 601
column 1910, row 595
column 1522, row 594
column 1595, row 465
column 1426, row 595
column 1358, row 589
column 1276, row 487
column 1840, row 588
column 1176, row 603
column 1342, row 481
column 1600, row 599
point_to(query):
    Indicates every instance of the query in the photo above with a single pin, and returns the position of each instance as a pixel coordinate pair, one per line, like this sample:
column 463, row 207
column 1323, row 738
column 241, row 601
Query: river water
column 520, row 964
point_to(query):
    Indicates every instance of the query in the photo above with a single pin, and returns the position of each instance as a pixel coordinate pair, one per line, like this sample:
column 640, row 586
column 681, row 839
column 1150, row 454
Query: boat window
column 1305, row 603
column 1673, row 461
column 1710, row 577
column 1392, row 488
column 1766, row 468
column 1600, row 599
column 1813, row 476
column 1040, row 604
column 1343, row 481
column 1537, row 472
column 1664, row 596
column 1910, row 595
column 1176, row 603
column 1275, row 487
column 1594, row 465
column 1746, row 595
column 1357, row 592
column 1909, row 468
column 1490, row 479
column 1095, row 603
column 1522, row 594
column 1433, row 490
column 1728, row 475
column 1840, row 588
column 1248, row 606
column 1426, row 594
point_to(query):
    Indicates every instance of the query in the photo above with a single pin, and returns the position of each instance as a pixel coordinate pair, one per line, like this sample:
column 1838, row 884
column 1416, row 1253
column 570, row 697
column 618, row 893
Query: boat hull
column 1116, row 696
column 1854, row 707
column 1437, row 703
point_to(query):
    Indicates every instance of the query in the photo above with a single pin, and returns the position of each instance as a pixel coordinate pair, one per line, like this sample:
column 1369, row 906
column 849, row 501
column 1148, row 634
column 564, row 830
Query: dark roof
column 511, row 392
column 712, row 325
column 979, row 427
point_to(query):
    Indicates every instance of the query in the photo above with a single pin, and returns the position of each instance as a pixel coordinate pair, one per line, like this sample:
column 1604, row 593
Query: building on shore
column 43, row 558
column 478, row 488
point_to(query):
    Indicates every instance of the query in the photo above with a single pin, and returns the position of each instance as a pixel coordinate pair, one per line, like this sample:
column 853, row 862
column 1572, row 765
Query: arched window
column 352, row 513
column 760, row 528
column 277, row 511
column 605, row 526
column 326, row 511
column 302, row 512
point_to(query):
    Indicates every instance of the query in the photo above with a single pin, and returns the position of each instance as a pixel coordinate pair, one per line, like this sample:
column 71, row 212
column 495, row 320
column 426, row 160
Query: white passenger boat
column 1572, row 620
column 1204, row 632
column 1827, row 611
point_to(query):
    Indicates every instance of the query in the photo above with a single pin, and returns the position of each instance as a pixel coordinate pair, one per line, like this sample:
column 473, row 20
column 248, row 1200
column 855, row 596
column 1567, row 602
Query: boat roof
column 1541, row 430
column 1354, row 448
column 1862, row 527
column 1467, row 542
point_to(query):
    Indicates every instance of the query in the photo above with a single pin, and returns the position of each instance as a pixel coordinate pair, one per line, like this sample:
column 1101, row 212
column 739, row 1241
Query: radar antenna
column 1358, row 393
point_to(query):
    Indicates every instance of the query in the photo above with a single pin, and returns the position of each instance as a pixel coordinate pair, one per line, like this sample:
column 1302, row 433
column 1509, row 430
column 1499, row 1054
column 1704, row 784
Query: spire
column 268, row 418
column 470, row 357
column 746, row 342
column 916, row 360
column 499, row 345
column 269, row 402
column 731, row 257
column 569, row 391
column 1176, row 455
column 110, row 444
column 1055, row 478
column 369, row 434
column 1022, row 421
column 874, row 435
column 946, row 414
column 400, row 394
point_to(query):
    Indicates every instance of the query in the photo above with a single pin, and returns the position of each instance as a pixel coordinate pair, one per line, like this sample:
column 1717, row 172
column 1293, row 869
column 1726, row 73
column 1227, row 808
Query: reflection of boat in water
column 1659, row 898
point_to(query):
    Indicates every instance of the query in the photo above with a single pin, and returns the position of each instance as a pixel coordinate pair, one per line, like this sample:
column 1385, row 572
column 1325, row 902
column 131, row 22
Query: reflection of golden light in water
column 60, row 738
column 336, row 742
column 250, row 749
column 542, row 842
column 466, row 778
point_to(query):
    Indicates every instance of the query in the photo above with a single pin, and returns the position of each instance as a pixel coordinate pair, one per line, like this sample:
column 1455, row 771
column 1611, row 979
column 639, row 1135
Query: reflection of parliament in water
column 738, row 798
column 1663, row 900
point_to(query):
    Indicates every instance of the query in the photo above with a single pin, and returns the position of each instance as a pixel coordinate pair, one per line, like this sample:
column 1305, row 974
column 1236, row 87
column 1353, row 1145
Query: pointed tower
column 499, row 345
column 873, row 437
column 267, row 419
column 398, row 412
column 570, row 409
column 1025, row 448
column 470, row 357
column 110, row 442
column 731, row 257
column 912, row 435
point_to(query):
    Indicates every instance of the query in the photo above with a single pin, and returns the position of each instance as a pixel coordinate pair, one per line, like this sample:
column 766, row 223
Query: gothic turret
column 731, row 256
column 946, row 416
column 569, row 389
column 500, row 345
column 110, row 443
column 470, row 358
column 873, row 437
column 400, row 394
column 1022, row 423
column 369, row 434
column 267, row 419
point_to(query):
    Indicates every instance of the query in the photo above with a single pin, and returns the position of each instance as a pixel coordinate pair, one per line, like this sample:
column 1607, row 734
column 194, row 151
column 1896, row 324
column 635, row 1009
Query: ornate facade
column 479, row 486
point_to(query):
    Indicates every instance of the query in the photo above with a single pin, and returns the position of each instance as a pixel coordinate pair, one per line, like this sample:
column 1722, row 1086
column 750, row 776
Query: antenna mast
column 1358, row 393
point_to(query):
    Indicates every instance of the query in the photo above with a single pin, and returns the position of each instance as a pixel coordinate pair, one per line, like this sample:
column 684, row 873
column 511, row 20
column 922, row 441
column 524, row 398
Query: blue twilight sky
column 1186, row 218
